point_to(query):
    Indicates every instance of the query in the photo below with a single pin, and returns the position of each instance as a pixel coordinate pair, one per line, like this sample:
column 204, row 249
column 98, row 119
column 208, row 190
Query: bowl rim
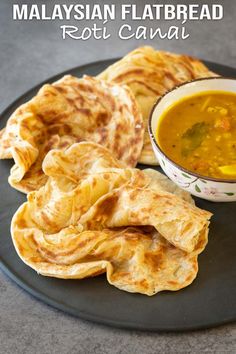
column 152, row 136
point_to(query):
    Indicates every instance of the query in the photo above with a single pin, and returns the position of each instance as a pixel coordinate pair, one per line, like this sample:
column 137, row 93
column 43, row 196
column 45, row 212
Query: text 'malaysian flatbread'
column 149, row 74
column 68, row 111
column 94, row 216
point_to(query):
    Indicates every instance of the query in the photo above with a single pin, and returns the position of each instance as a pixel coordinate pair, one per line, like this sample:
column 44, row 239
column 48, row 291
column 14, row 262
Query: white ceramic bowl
column 214, row 189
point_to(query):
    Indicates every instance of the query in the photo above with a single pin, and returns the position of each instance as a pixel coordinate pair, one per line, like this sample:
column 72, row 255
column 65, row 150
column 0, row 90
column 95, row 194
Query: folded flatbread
column 149, row 74
column 68, row 111
column 94, row 216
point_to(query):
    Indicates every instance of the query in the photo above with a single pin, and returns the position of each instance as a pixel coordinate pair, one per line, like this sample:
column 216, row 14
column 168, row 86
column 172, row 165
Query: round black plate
column 208, row 302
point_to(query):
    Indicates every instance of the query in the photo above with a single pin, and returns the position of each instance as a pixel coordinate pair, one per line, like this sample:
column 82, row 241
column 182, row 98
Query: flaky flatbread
column 68, row 111
column 94, row 216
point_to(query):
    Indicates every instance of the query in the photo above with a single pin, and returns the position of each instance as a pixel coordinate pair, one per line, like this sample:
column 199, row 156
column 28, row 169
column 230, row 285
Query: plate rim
column 66, row 309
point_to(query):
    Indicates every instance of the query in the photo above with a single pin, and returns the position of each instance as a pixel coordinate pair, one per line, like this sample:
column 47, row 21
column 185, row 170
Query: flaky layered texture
column 94, row 216
column 149, row 74
column 68, row 111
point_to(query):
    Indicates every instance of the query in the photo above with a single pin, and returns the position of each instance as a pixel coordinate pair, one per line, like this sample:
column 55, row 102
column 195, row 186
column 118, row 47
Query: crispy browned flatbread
column 68, row 111
column 150, row 73
column 94, row 216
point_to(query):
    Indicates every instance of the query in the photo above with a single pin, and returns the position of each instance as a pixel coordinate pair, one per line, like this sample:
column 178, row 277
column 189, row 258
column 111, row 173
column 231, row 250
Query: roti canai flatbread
column 115, row 220
column 159, row 181
column 175, row 219
column 149, row 74
column 68, row 111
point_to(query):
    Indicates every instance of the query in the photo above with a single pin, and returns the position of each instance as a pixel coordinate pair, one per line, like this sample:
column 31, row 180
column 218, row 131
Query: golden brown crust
column 94, row 216
column 175, row 219
column 69, row 111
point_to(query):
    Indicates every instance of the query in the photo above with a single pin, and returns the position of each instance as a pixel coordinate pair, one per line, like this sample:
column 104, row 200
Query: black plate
column 208, row 302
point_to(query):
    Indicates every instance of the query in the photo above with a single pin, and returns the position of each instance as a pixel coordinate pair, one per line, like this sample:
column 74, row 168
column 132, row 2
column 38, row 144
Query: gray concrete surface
column 29, row 53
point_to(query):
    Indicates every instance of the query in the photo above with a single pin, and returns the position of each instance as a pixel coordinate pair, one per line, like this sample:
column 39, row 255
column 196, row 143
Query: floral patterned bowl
column 214, row 189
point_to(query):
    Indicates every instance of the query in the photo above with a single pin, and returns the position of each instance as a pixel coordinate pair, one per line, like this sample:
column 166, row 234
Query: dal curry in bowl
column 193, row 133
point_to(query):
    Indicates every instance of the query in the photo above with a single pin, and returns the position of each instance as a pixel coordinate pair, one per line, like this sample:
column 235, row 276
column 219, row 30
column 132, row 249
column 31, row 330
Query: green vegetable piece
column 186, row 176
column 193, row 137
column 203, row 181
column 197, row 189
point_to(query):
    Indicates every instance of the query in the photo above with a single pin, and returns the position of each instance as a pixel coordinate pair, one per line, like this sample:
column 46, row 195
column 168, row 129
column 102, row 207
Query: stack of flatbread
column 88, row 210
column 68, row 111
column 93, row 216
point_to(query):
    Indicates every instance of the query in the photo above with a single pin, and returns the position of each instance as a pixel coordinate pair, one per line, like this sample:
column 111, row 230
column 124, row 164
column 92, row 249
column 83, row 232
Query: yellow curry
column 199, row 134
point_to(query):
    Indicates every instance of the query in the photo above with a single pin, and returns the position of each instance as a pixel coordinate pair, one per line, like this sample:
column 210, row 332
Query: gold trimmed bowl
column 213, row 189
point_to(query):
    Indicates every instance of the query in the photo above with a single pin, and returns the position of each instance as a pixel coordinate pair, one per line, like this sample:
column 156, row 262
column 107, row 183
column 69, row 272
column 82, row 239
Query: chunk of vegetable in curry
column 199, row 134
column 193, row 138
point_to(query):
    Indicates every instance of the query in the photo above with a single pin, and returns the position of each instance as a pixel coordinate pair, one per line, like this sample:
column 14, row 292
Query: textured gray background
column 29, row 53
